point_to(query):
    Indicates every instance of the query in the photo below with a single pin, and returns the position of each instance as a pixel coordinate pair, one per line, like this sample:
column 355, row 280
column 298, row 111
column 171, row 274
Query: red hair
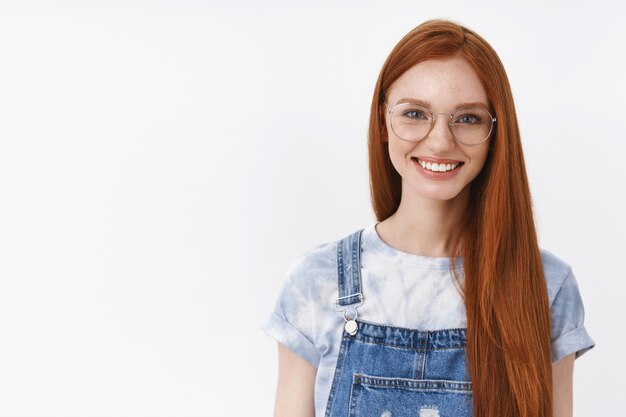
column 508, row 312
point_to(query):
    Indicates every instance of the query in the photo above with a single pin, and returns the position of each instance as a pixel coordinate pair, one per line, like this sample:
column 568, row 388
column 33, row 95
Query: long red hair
column 508, row 312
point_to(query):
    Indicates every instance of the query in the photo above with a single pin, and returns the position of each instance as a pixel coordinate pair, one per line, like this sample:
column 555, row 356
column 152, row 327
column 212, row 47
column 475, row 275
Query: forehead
column 444, row 83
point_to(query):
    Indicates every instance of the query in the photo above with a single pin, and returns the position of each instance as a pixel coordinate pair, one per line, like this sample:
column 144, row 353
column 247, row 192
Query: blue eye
column 468, row 119
column 414, row 114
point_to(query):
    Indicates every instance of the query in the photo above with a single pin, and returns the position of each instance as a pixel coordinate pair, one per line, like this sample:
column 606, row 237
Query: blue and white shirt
column 401, row 290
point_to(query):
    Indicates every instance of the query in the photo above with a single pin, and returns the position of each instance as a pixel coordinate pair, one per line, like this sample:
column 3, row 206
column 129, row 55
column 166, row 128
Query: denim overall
column 385, row 371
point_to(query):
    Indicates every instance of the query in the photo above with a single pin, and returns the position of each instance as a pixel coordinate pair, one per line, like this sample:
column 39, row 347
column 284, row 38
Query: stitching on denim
column 340, row 267
column 355, row 252
column 337, row 375
column 424, row 359
column 349, row 268
column 420, row 384
column 370, row 342
column 416, row 366
column 352, row 399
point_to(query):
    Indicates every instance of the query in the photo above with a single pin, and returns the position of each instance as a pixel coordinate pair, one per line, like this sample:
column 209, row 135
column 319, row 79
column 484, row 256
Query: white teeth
column 437, row 167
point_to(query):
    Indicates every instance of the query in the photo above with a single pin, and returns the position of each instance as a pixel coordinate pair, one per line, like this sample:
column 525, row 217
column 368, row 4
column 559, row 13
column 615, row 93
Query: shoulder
column 315, row 268
column 302, row 308
column 567, row 312
column 320, row 257
column 556, row 272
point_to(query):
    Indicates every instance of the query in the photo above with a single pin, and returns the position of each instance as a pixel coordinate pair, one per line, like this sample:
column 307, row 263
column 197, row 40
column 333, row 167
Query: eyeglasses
column 413, row 122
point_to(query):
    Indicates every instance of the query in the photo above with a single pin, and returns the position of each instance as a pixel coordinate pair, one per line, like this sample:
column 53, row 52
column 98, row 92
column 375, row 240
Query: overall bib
column 385, row 371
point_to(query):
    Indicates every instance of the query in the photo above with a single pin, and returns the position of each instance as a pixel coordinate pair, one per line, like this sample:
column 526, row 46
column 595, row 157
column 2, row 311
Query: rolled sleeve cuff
column 577, row 340
column 284, row 332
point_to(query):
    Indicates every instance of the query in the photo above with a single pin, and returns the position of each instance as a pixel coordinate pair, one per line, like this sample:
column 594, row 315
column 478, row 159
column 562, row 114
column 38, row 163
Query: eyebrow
column 458, row 106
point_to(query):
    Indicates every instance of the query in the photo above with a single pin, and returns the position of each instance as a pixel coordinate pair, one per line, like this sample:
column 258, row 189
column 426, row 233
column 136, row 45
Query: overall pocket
column 378, row 396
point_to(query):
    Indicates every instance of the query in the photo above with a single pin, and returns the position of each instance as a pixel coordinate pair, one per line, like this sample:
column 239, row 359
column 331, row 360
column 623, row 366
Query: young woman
column 446, row 306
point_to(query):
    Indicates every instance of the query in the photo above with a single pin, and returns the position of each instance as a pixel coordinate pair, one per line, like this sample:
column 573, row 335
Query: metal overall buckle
column 351, row 326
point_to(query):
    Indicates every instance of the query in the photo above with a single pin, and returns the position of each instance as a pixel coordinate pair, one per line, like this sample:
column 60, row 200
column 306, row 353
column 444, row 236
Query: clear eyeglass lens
column 413, row 122
column 410, row 121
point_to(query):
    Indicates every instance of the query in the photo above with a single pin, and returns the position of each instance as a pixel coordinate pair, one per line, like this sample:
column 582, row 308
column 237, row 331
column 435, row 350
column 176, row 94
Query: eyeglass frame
column 450, row 124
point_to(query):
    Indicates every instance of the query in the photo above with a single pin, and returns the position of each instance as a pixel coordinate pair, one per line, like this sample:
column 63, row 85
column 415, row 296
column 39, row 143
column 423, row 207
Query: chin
column 438, row 193
column 441, row 196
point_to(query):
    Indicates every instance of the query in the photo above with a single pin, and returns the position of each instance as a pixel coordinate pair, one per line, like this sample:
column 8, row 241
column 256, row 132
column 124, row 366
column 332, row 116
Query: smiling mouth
column 435, row 167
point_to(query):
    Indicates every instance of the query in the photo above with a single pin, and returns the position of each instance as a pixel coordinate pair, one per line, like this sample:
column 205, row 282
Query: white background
column 163, row 162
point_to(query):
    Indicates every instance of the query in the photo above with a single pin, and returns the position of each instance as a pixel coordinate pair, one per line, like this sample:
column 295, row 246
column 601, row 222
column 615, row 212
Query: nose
column 440, row 137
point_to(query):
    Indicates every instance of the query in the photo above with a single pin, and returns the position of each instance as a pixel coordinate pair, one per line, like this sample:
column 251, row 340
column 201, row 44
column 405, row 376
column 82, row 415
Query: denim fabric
column 391, row 370
column 394, row 371
column 400, row 291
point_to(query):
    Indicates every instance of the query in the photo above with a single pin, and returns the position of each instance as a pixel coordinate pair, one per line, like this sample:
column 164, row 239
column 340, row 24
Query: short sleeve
column 291, row 322
column 568, row 333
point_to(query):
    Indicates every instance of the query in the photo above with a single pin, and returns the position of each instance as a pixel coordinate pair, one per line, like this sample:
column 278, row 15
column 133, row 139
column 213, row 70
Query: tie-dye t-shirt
column 402, row 290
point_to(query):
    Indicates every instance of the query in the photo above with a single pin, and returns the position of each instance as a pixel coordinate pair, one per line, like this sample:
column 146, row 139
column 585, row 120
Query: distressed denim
column 389, row 371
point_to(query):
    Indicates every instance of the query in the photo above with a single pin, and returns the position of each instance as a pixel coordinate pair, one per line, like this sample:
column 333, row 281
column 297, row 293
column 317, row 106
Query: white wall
column 163, row 162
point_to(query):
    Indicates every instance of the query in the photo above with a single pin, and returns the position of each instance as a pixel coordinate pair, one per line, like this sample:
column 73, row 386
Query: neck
column 423, row 226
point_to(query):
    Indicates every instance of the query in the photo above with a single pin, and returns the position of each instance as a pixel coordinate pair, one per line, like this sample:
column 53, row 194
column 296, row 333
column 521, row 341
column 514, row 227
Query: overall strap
column 349, row 264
